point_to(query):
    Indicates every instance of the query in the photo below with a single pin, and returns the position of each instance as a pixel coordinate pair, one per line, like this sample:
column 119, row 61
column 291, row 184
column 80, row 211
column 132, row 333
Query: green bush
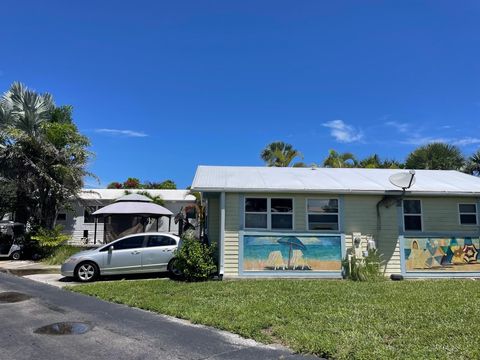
column 364, row 269
column 195, row 260
column 50, row 239
column 62, row 253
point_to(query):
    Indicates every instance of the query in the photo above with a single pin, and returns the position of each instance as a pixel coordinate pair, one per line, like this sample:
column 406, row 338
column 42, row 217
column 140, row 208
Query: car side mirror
column 110, row 248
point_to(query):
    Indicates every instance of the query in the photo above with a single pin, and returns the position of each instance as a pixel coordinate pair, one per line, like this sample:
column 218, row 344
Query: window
column 88, row 218
column 159, row 240
column 282, row 213
column 468, row 214
column 129, row 243
column 412, row 215
column 256, row 212
column 61, row 217
column 266, row 213
column 322, row 214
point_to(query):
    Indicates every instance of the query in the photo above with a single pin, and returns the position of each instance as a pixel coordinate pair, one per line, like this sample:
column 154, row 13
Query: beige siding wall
column 360, row 215
column 232, row 223
column 440, row 214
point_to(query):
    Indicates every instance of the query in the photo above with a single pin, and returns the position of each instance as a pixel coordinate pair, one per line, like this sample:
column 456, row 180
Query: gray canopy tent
column 129, row 214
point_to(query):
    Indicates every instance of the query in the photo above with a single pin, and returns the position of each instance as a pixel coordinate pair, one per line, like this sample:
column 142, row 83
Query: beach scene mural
column 291, row 253
column 442, row 254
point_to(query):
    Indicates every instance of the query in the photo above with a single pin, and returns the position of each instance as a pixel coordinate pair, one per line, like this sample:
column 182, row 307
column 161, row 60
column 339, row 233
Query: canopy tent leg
column 157, row 223
column 169, row 223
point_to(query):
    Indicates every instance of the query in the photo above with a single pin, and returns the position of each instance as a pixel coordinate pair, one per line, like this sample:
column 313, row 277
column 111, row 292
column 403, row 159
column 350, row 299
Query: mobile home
column 291, row 222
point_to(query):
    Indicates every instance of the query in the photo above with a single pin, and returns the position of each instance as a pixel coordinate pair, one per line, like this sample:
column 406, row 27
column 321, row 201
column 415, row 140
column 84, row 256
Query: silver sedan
column 132, row 254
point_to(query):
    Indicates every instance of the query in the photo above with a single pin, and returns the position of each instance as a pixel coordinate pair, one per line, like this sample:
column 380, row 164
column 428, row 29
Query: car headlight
column 71, row 259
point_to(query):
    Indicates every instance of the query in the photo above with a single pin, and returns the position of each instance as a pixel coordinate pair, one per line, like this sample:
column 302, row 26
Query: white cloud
column 422, row 140
column 417, row 140
column 118, row 132
column 401, row 127
column 466, row 141
column 342, row 132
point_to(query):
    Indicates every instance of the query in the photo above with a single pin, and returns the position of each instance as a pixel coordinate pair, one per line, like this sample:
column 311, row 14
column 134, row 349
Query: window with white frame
column 268, row 213
column 468, row 214
column 412, row 215
column 322, row 214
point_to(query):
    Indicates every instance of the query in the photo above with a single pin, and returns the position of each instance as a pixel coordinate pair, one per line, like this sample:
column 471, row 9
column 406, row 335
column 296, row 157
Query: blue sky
column 163, row 86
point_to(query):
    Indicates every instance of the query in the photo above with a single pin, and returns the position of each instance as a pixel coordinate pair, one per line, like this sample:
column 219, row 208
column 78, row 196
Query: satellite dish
column 403, row 180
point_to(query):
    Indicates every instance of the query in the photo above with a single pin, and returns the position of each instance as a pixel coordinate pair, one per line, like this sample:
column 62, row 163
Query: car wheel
column 173, row 270
column 15, row 255
column 87, row 271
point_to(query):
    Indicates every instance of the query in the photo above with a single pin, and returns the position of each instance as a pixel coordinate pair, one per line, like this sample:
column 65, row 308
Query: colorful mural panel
column 291, row 253
column 442, row 254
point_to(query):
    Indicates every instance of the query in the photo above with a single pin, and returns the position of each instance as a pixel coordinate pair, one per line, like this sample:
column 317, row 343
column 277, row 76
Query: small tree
column 115, row 185
column 132, row 183
column 193, row 259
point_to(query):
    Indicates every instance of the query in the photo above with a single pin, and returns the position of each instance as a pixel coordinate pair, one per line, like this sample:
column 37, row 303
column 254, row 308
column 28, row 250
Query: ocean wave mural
column 442, row 254
column 291, row 253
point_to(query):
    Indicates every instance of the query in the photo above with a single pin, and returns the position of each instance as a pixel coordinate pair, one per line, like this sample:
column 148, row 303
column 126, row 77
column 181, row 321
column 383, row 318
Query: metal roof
column 113, row 194
column 329, row 180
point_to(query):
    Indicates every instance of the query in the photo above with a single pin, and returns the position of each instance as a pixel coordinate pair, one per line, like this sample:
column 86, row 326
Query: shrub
column 50, row 239
column 365, row 269
column 194, row 259
column 62, row 253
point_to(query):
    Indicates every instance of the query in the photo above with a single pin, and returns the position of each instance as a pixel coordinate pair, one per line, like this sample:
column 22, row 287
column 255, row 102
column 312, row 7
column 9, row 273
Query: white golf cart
column 11, row 236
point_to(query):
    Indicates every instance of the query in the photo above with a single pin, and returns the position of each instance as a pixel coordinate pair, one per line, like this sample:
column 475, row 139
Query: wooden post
column 95, row 233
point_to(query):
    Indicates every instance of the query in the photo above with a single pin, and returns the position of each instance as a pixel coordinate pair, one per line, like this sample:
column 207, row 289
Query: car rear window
column 160, row 240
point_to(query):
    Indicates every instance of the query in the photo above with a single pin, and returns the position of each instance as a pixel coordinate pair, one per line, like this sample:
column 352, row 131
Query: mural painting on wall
column 442, row 254
column 292, row 253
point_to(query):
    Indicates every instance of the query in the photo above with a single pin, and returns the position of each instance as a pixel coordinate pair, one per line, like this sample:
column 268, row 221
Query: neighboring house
column 78, row 221
column 301, row 221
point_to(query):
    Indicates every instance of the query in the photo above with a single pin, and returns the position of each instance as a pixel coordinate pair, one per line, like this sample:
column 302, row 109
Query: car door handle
column 136, row 252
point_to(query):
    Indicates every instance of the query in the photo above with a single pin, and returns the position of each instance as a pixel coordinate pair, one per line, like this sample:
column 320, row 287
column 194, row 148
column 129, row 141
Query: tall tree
column 436, row 156
column 339, row 160
column 41, row 152
column 280, row 154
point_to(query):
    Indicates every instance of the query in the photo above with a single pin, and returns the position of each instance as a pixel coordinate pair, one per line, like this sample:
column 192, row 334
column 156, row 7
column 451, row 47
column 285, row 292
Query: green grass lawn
column 335, row 319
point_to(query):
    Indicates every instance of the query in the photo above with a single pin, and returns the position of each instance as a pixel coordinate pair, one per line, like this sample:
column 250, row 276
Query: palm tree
column 280, row 154
column 41, row 152
column 340, row 160
column 375, row 162
column 25, row 110
column 473, row 164
column 371, row 162
column 436, row 156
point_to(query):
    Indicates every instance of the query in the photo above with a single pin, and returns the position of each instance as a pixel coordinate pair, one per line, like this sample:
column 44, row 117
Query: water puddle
column 13, row 297
column 64, row 328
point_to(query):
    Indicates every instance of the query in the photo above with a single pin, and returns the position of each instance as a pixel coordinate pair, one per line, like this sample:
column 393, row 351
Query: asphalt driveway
column 118, row 332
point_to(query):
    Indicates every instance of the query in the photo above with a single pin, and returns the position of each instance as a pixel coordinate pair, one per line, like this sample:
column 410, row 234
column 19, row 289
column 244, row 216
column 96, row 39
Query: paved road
column 118, row 332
